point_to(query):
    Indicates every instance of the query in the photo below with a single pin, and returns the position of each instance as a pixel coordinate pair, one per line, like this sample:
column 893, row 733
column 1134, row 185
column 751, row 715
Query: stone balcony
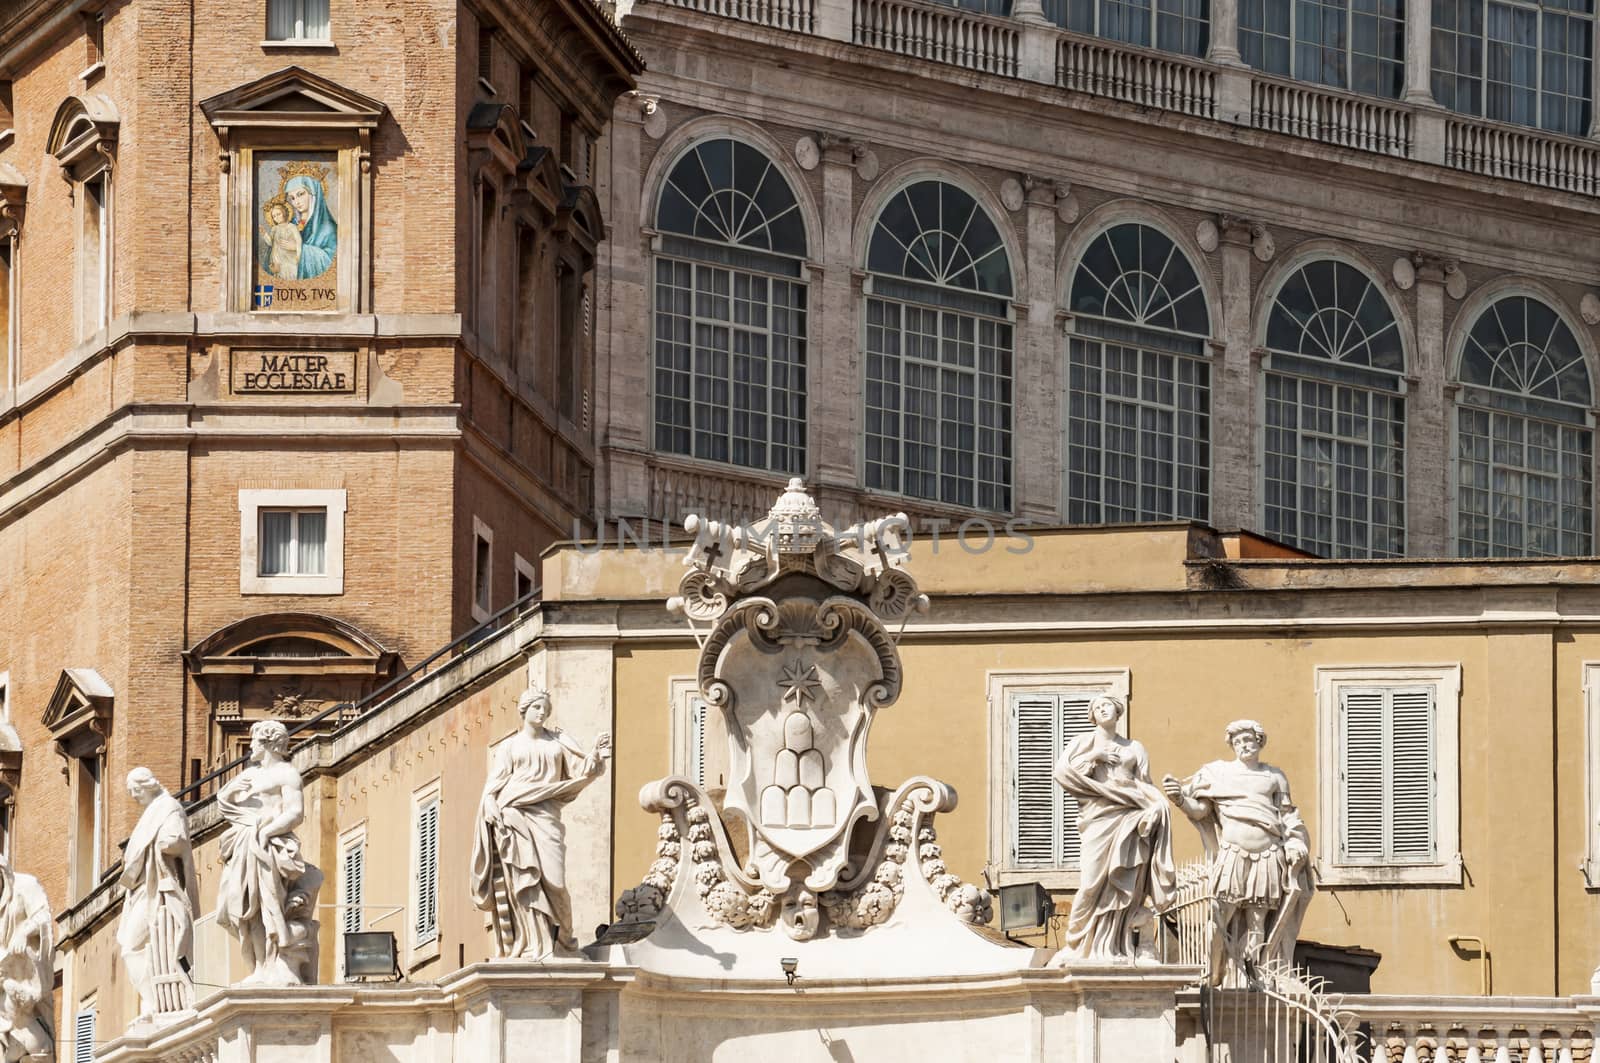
column 1156, row 82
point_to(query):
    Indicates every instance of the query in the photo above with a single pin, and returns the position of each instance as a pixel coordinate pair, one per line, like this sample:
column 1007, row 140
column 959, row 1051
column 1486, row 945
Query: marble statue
column 518, row 852
column 268, row 894
column 1125, row 829
column 27, row 969
column 1257, row 849
column 161, row 897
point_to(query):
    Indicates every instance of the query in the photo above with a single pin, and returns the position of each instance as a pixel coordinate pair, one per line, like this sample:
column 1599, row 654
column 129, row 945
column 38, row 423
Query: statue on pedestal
column 1258, row 854
column 156, row 933
column 27, row 969
column 518, row 850
column 1125, row 830
column 268, row 894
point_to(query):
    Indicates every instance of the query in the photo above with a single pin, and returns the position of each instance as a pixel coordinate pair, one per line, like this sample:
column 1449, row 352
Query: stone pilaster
column 834, row 348
column 622, row 335
column 1419, row 54
column 1427, row 431
column 1224, row 47
column 1233, row 382
column 1036, row 366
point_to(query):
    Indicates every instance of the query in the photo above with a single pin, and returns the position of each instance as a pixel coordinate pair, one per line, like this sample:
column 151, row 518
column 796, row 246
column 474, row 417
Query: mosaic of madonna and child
column 297, row 236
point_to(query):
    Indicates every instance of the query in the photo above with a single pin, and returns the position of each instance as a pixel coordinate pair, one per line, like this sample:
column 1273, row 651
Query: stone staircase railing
column 1033, row 49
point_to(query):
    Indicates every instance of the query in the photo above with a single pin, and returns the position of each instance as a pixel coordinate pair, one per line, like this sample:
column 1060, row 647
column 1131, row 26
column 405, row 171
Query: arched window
column 1334, row 475
column 1524, row 447
column 1138, row 383
column 1359, row 46
column 1526, row 62
column 1182, row 26
column 730, row 311
column 938, row 401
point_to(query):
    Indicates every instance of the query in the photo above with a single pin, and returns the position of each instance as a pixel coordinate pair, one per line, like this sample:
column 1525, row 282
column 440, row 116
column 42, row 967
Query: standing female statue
column 1125, row 866
column 156, row 934
column 518, row 854
column 27, row 966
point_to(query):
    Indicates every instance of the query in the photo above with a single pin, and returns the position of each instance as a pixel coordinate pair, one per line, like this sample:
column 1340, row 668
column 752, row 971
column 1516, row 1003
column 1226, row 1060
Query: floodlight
column 1024, row 905
column 370, row 954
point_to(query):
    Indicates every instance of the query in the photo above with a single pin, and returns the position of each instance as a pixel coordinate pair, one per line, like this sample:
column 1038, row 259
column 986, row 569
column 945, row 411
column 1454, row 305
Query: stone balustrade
column 1407, row 1029
column 939, row 33
column 1032, row 49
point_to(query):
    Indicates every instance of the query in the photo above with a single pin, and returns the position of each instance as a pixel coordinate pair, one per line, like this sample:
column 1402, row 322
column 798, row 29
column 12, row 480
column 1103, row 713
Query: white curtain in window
column 277, row 533
column 313, row 542
column 281, row 18
column 316, row 20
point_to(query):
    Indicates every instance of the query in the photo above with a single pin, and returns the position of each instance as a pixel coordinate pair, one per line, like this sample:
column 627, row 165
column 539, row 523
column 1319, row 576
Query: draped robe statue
column 1125, row 868
column 267, row 898
column 161, row 897
column 1257, row 849
column 518, row 852
column 27, row 974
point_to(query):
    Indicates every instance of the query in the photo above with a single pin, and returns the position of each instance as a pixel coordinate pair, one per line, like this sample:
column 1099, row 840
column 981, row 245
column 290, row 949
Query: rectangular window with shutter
column 1043, row 817
column 352, row 871
column 83, row 1036
column 425, row 923
column 1388, row 780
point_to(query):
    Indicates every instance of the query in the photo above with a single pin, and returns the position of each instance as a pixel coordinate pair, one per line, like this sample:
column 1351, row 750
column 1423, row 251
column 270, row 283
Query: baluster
column 1564, row 1044
column 1474, row 1039
column 1408, row 1041
column 1502, row 1045
column 1535, row 1046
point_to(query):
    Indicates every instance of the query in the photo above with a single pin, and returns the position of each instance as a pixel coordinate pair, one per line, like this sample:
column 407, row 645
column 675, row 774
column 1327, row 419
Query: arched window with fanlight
column 1524, row 441
column 1138, row 382
column 730, row 311
column 1334, row 449
column 938, row 350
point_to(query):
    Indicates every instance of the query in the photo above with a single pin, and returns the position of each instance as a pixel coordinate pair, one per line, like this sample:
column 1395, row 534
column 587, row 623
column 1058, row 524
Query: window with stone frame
column 1527, row 62
column 1181, row 26
column 1138, row 383
column 82, row 140
column 1389, row 781
column 1333, row 457
column 1524, row 435
column 731, row 310
column 939, row 335
column 13, row 207
column 1350, row 44
column 1032, row 717
column 297, row 20
column 79, row 719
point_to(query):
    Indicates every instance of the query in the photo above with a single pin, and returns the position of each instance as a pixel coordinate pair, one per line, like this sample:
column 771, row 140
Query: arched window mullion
column 938, row 350
column 728, row 324
column 1524, row 459
column 1138, row 419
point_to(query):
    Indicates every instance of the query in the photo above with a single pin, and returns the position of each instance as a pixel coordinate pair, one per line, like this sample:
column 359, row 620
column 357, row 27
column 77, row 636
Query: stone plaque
column 294, row 372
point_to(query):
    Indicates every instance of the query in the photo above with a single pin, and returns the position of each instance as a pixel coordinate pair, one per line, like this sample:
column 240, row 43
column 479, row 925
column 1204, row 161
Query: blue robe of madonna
column 319, row 233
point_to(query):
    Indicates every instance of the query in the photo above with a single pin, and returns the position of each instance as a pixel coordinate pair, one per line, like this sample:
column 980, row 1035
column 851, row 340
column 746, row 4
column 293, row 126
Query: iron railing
column 350, row 712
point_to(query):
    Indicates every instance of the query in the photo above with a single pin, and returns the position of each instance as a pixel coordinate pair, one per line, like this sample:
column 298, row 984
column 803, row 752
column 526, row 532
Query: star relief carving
column 799, row 683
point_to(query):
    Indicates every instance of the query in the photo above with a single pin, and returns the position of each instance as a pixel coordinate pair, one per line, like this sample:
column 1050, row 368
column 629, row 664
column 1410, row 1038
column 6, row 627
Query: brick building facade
column 296, row 366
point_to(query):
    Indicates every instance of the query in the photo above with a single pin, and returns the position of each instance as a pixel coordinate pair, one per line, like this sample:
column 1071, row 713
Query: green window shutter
column 1035, row 797
column 1412, row 781
column 1361, row 774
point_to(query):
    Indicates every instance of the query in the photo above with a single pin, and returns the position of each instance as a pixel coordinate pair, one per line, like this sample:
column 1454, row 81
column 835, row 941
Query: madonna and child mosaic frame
column 296, row 231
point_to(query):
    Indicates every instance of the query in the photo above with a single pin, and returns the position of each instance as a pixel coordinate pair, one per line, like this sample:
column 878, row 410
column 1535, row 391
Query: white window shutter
column 1361, row 774
column 1072, row 721
column 427, row 917
column 354, row 868
column 696, row 768
column 1035, row 797
column 83, row 1036
column 1411, row 774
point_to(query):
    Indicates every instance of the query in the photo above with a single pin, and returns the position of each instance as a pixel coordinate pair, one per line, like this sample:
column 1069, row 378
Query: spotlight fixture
column 370, row 954
column 790, row 965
